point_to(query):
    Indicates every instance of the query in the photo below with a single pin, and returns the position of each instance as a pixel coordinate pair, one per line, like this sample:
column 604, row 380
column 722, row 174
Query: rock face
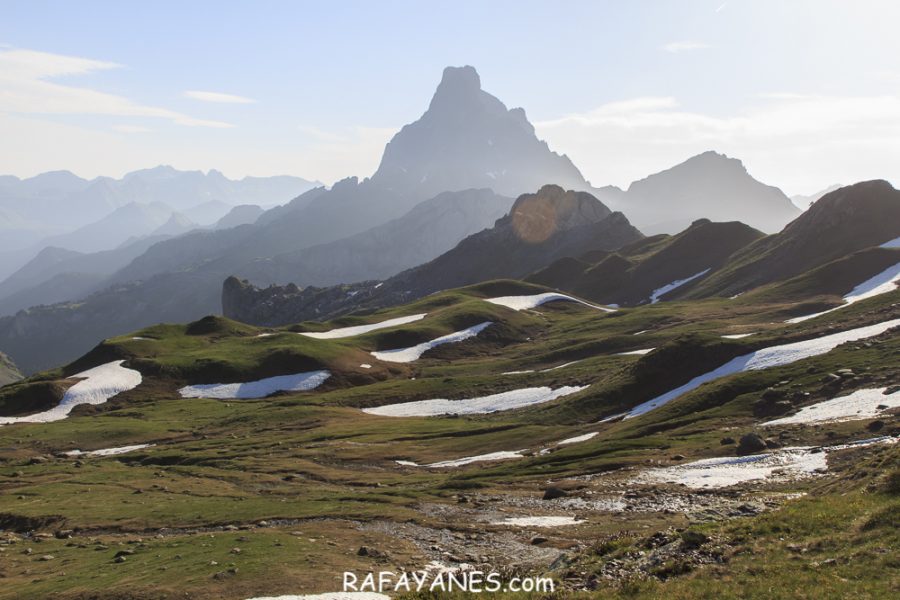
column 539, row 228
column 709, row 185
column 469, row 139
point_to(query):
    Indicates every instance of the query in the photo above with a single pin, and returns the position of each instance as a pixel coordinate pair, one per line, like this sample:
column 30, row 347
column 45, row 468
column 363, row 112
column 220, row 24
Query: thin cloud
column 131, row 129
column 26, row 88
column 218, row 97
column 684, row 46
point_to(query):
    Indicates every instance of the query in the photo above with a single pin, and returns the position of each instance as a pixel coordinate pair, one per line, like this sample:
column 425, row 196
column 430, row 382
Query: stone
column 750, row 443
column 552, row 493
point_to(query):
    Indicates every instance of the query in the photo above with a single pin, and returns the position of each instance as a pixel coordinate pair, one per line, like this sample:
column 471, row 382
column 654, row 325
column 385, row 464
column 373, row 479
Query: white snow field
column 884, row 282
column 659, row 292
column 781, row 465
column 861, row 404
column 538, row 521
column 299, row 382
column 529, row 302
column 737, row 336
column 404, row 355
column 894, row 243
column 774, row 356
column 97, row 385
column 344, row 332
column 472, row 406
column 109, row 451
column 328, row 596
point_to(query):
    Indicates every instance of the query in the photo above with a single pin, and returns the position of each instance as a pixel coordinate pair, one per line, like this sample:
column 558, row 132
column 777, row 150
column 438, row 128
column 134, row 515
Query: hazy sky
column 807, row 93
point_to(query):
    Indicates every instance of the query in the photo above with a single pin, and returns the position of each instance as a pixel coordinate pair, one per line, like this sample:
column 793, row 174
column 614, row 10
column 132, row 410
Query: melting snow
column 360, row 329
column 365, row 366
column 485, row 404
column 577, row 439
column 884, row 282
column 642, row 331
column 299, row 382
column 138, row 338
column 894, row 243
column 403, row 355
column 782, row 465
column 636, row 352
column 108, row 451
column 562, row 366
column 861, row 404
column 538, row 521
column 737, row 336
column 659, row 292
column 461, row 462
column 97, row 385
column 528, row 302
column 774, row 356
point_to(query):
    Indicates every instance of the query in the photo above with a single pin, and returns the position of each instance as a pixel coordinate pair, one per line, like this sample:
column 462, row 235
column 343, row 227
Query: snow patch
column 404, row 355
column 737, row 336
column 659, row 292
column 538, row 521
column 529, row 302
column 472, row 406
column 578, row 438
column 344, row 332
column 562, row 366
column 636, row 352
column 884, row 282
column 861, row 404
column 787, row 464
column 468, row 460
column 299, row 382
column 138, row 338
column 109, row 451
column 773, row 356
column 894, row 243
column 97, row 385
column 365, row 366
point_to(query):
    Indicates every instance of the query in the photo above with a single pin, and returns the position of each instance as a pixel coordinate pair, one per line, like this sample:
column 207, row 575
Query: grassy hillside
column 241, row 498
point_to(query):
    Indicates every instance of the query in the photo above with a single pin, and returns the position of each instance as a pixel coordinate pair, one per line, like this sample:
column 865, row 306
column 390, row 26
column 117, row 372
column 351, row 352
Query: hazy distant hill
column 710, row 186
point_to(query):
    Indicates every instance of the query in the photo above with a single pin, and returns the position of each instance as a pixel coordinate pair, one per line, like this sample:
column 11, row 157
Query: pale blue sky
column 807, row 93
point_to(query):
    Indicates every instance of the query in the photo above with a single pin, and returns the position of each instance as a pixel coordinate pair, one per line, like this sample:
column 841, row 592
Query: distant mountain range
column 450, row 174
column 62, row 209
column 606, row 260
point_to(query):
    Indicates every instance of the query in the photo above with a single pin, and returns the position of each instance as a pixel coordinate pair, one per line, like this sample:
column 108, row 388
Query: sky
column 805, row 92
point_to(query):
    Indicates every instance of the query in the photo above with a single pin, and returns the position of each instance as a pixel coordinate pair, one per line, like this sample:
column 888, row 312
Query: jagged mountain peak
column 469, row 139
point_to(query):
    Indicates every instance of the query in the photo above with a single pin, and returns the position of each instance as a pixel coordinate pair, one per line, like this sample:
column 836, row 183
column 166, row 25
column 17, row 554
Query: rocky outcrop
column 9, row 373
